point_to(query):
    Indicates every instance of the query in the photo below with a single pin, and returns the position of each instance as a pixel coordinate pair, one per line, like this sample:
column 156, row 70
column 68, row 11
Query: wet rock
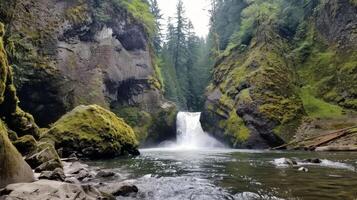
column 54, row 190
column 72, row 180
column 125, row 188
column 84, row 175
column 49, row 166
column 56, row 175
column 76, row 167
column 303, row 169
column 105, row 174
column 313, row 160
column 284, row 162
column 289, row 161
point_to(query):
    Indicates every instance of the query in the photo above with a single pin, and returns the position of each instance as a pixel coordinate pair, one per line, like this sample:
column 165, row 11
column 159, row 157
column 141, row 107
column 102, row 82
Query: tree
column 155, row 10
column 184, row 62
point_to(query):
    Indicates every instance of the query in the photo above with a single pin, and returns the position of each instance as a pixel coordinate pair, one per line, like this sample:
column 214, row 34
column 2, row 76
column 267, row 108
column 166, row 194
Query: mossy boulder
column 93, row 132
column 150, row 128
column 25, row 144
column 13, row 168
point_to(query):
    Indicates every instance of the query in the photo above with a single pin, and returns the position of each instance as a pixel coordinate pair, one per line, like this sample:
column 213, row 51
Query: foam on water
column 282, row 162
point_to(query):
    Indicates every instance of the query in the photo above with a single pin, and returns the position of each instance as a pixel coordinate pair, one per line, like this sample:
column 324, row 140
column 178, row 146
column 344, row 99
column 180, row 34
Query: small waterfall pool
column 198, row 167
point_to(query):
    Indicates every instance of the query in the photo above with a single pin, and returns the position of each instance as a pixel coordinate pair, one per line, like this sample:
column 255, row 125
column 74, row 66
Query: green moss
column 235, row 127
column 244, row 97
column 17, row 120
column 93, row 131
column 140, row 120
column 316, row 107
column 141, row 12
column 354, row 2
column 154, row 83
column 226, row 102
column 78, row 14
column 3, row 65
column 25, row 144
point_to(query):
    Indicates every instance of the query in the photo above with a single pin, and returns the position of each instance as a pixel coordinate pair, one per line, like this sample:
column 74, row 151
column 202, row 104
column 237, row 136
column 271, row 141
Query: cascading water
column 190, row 134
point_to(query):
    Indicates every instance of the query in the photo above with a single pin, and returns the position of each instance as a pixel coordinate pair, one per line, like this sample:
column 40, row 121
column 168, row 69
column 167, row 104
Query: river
column 200, row 168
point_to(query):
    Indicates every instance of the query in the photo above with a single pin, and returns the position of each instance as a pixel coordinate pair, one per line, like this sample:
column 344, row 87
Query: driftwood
column 336, row 148
column 317, row 141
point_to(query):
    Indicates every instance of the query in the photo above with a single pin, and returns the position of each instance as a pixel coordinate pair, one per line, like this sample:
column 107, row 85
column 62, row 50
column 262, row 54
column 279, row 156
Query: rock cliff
column 69, row 53
column 265, row 93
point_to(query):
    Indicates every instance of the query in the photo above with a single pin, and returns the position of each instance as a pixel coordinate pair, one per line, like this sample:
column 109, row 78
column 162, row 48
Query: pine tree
column 155, row 10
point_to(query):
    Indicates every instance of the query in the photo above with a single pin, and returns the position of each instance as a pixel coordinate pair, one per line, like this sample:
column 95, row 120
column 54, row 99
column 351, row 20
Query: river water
column 189, row 170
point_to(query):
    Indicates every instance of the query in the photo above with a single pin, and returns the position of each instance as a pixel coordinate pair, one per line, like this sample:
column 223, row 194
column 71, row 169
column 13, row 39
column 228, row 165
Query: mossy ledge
column 93, row 132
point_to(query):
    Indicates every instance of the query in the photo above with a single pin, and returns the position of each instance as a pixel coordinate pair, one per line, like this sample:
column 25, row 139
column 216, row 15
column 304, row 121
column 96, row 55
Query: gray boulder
column 54, row 190
column 13, row 168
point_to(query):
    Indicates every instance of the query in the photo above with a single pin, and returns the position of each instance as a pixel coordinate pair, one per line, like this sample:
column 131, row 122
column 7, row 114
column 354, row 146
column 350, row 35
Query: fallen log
column 316, row 141
column 336, row 148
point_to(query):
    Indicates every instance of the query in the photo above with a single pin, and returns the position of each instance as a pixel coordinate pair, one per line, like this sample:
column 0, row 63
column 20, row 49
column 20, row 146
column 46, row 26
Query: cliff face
column 69, row 53
column 262, row 95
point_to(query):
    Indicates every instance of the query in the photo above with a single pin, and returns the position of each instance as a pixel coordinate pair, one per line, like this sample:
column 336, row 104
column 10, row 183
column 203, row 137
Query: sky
column 196, row 11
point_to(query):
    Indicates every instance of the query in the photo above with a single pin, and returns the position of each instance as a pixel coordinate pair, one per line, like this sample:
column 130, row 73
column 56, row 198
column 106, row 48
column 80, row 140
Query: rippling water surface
column 169, row 174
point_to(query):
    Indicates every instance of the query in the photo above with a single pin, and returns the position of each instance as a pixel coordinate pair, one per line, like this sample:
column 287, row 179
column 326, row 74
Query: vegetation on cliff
column 276, row 67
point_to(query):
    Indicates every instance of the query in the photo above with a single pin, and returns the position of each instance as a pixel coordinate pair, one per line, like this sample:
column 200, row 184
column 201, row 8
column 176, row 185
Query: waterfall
column 190, row 134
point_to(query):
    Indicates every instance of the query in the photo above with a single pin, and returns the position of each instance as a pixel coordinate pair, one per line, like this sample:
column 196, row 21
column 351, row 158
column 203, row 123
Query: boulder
column 105, row 174
column 55, row 175
column 25, row 144
column 45, row 156
column 119, row 189
column 13, row 168
column 54, row 190
column 93, row 132
column 49, row 166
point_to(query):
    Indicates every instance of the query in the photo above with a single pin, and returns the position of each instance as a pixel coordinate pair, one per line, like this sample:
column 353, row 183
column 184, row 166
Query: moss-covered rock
column 254, row 92
column 13, row 168
column 93, row 132
column 16, row 119
column 261, row 93
column 44, row 155
column 153, row 127
column 81, row 52
column 25, row 144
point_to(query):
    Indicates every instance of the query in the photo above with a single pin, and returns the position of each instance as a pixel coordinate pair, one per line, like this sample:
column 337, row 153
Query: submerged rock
column 284, row 162
column 303, row 169
column 313, row 160
column 93, row 132
column 13, row 168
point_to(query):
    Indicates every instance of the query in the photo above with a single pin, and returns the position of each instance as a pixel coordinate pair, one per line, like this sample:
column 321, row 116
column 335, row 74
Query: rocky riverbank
column 74, row 181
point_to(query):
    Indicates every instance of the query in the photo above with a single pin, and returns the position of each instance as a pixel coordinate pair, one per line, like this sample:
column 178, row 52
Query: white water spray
column 190, row 134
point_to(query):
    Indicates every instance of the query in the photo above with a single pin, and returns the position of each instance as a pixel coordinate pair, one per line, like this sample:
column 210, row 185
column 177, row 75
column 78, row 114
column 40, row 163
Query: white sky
column 196, row 11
